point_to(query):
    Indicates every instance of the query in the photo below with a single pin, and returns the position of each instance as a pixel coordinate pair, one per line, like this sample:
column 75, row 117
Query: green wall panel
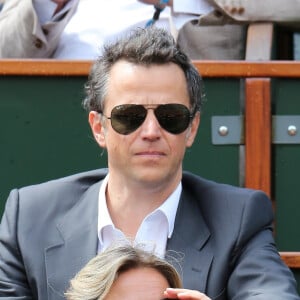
column 285, row 171
column 216, row 162
column 44, row 132
column 286, row 167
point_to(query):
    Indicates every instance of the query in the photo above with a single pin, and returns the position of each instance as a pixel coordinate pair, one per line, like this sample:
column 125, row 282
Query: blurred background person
column 68, row 29
column 217, row 29
column 77, row 29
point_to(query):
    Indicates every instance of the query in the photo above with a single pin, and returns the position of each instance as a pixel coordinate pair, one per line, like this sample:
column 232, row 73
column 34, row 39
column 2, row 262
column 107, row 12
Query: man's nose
column 150, row 127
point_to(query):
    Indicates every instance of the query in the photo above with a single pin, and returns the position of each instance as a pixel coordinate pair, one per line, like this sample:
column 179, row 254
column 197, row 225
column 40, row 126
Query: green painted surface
column 286, row 167
column 285, row 172
column 216, row 162
column 44, row 132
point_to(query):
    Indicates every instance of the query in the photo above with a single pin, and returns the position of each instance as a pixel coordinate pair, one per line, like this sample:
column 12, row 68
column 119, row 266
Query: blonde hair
column 94, row 281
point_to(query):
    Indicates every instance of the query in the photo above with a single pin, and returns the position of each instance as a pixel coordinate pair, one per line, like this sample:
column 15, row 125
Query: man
column 207, row 29
column 143, row 98
column 217, row 29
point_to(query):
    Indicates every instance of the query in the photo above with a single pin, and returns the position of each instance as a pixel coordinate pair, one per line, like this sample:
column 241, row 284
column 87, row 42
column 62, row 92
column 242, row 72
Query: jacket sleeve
column 13, row 280
column 259, row 11
column 258, row 271
column 22, row 35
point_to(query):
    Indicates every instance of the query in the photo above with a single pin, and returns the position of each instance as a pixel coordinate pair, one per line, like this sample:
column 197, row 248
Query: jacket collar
column 69, row 253
column 76, row 243
column 190, row 241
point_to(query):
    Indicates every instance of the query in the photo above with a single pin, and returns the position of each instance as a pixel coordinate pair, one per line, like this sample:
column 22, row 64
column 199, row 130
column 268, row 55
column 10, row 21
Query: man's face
column 150, row 154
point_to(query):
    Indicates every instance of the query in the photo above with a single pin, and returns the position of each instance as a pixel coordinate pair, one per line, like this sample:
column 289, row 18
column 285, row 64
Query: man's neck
column 129, row 205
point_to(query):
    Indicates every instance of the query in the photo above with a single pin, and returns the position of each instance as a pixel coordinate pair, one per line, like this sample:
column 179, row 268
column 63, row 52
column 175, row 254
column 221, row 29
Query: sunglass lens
column 174, row 118
column 127, row 118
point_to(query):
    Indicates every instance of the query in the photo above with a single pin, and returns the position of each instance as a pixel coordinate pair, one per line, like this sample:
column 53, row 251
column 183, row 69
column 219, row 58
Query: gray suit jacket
column 222, row 33
column 49, row 231
column 248, row 11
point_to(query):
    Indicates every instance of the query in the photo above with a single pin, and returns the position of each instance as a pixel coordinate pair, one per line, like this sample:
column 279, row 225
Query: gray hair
column 144, row 46
column 94, row 281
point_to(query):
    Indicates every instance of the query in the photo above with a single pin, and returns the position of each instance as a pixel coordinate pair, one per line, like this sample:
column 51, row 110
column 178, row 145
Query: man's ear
column 97, row 128
column 192, row 130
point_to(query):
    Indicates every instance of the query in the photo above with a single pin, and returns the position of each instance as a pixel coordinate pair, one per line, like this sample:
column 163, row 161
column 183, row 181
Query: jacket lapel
column 76, row 243
column 190, row 240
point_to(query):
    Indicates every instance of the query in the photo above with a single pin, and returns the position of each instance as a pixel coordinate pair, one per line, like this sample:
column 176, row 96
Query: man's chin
column 152, row 177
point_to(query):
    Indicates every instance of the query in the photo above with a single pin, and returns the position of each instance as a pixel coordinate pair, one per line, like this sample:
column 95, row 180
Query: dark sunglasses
column 174, row 118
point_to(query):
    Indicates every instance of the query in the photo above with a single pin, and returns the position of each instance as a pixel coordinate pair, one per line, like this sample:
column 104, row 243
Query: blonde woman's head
column 98, row 279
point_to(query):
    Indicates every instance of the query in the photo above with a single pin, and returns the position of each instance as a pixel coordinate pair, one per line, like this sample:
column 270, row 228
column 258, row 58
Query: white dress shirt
column 99, row 21
column 154, row 231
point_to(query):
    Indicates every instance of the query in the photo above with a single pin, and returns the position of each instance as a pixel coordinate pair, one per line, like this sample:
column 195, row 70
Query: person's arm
column 257, row 269
column 23, row 36
column 262, row 11
column 13, row 279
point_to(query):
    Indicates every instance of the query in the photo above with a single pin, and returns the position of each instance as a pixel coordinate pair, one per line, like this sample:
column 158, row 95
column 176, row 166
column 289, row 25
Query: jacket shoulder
column 54, row 195
column 86, row 178
column 212, row 196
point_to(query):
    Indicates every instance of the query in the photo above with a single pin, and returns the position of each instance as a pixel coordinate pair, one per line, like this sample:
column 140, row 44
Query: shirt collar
column 168, row 208
column 104, row 218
